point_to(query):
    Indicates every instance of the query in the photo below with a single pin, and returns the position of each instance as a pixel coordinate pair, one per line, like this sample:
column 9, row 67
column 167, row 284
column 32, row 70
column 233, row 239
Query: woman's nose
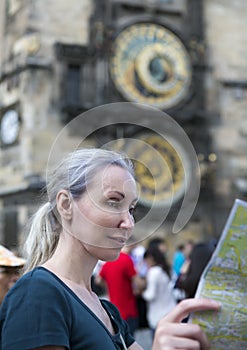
column 127, row 221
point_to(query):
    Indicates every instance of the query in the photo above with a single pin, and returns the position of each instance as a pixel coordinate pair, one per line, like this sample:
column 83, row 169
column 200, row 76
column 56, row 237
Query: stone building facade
column 55, row 60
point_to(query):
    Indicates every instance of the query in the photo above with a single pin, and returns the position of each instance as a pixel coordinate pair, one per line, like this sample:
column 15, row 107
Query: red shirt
column 118, row 276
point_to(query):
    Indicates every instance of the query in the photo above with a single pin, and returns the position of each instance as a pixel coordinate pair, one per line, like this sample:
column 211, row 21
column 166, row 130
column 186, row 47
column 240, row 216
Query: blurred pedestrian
column 123, row 284
column 97, row 287
column 137, row 254
column 181, row 259
column 191, row 272
column 159, row 290
column 181, row 255
column 178, row 260
column 158, row 242
column 188, row 247
column 10, row 266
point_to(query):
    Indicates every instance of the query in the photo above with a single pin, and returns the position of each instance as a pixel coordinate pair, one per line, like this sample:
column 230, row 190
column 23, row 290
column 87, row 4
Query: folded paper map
column 225, row 280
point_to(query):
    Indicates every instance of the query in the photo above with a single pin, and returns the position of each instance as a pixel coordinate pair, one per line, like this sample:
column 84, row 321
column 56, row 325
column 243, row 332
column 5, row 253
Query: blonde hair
column 73, row 174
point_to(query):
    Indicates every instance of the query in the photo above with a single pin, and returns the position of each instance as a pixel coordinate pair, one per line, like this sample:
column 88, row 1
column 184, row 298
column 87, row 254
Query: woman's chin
column 110, row 254
column 103, row 253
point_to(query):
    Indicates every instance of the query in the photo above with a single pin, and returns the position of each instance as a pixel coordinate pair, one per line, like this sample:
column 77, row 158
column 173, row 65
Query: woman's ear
column 64, row 204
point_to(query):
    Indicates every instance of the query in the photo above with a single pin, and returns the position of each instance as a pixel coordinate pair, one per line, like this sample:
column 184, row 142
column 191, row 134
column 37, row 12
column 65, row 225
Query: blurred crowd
column 145, row 285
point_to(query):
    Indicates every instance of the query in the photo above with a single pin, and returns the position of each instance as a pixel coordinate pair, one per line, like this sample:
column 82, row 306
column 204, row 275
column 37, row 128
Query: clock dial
column 10, row 124
column 151, row 65
column 162, row 167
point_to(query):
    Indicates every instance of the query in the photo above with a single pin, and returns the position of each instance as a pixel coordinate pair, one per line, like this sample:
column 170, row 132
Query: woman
column 158, row 292
column 88, row 217
column 191, row 272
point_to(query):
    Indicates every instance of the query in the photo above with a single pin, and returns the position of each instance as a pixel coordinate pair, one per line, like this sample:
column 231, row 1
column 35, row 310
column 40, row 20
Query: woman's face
column 103, row 217
column 149, row 260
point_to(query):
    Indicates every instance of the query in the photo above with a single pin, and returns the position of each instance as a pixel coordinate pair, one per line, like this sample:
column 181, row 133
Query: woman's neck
column 72, row 262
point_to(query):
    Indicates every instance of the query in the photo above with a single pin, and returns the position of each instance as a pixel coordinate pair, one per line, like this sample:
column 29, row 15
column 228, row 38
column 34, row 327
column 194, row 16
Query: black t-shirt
column 41, row 310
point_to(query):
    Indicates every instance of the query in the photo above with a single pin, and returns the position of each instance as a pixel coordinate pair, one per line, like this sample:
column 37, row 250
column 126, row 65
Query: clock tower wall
column 30, row 85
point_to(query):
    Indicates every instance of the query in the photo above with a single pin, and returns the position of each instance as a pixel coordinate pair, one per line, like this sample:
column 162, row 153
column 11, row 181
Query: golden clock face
column 150, row 65
column 160, row 166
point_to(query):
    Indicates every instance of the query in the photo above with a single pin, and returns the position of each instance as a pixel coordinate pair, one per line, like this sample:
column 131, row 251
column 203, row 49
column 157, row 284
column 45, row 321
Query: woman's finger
column 180, row 336
column 171, row 334
column 186, row 306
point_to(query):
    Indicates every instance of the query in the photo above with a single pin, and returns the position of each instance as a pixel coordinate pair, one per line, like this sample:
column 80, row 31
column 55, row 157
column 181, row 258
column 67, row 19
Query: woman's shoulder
column 38, row 275
column 37, row 289
column 158, row 272
column 37, row 282
column 155, row 270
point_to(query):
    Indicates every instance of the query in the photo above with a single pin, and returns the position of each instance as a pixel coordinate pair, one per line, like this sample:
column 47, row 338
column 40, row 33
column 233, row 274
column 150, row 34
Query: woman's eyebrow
column 121, row 194
column 135, row 200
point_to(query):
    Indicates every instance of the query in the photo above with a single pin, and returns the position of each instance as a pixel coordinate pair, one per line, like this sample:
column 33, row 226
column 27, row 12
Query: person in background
column 158, row 292
column 191, row 272
column 137, row 254
column 181, row 259
column 178, row 260
column 158, row 242
column 123, row 284
column 188, row 247
column 10, row 266
column 88, row 216
column 98, row 287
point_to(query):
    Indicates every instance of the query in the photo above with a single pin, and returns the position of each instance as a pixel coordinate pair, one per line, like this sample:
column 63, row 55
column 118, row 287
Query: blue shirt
column 41, row 310
column 178, row 261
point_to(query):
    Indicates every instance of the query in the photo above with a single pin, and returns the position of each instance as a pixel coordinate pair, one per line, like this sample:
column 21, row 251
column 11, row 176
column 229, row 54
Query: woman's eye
column 132, row 210
column 113, row 203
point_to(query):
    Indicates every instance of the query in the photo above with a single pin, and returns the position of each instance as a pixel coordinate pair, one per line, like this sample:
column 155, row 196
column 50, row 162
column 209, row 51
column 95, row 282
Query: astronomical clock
column 150, row 64
column 154, row 58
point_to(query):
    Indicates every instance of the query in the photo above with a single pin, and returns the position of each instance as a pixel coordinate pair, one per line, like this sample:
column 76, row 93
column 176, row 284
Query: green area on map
column 225, row 280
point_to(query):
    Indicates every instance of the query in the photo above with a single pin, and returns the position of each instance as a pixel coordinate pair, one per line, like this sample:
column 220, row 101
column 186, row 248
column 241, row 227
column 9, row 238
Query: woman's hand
column 172, row 335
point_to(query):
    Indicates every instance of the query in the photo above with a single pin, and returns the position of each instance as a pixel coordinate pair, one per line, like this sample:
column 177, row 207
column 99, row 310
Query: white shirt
column 158, row 294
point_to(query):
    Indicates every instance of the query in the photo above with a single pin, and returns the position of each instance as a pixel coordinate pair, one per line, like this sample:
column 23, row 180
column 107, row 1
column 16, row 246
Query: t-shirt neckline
column 73, row 294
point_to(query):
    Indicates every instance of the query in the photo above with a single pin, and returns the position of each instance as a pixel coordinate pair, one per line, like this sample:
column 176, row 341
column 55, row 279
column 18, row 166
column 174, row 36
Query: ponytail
column 42, row 238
